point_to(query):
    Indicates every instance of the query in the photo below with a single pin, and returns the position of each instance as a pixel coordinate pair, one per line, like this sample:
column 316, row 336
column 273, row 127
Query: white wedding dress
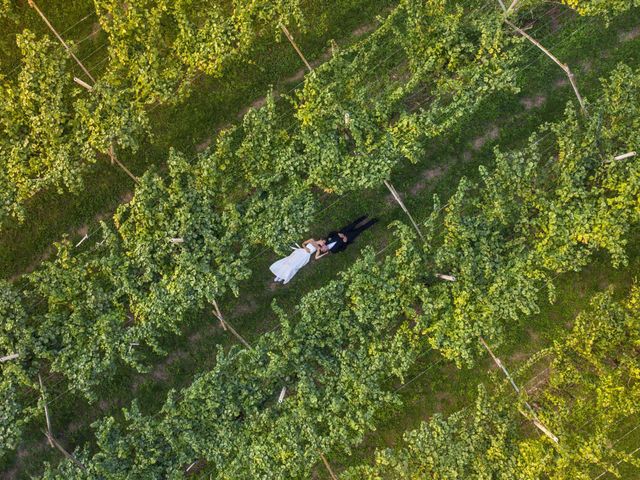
column 285, row 268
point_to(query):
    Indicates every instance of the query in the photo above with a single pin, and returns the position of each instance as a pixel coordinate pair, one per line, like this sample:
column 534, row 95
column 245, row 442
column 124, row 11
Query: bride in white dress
column 285, row 268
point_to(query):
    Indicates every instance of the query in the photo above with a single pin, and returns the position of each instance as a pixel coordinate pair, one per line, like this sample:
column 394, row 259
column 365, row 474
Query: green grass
column 442, row 388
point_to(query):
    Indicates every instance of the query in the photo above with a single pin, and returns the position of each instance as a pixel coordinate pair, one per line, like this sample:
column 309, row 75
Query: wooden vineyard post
column 62, row 450
column 218, row 314
column 33, row 5
column 624, row 156
column 83, row 84
column 534, row 418
column 295, row 46
column 46, row 411
column 402, row 205
column 328, row 467
column 49, row 434
column 448, row 278
column 7, row 358
column 511, row 7
column 565, row 68
column 283, row 392
column 198, row 463
column 227, row 326
column 114, row 159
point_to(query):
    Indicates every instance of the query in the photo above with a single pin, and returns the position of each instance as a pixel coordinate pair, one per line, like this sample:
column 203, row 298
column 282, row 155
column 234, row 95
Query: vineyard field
column 513, row 189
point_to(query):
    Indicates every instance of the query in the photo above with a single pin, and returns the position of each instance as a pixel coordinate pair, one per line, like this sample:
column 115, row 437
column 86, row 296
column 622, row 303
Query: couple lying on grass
column 334, row 242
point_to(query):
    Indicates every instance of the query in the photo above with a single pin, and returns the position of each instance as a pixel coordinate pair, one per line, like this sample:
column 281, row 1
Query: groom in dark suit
column 337, row 241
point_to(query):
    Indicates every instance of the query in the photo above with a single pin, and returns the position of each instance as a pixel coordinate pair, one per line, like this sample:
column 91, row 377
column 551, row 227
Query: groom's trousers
column 353, row 229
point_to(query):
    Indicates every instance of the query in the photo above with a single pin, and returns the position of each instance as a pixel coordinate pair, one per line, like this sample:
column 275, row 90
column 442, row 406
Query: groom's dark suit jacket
column 340, row 244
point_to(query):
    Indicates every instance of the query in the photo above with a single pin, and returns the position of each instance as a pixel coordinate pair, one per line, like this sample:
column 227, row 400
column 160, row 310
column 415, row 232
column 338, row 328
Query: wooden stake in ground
column 534, row 418
column 448, row 278
column 227, row 326
column 565, row 68
column 33, row 5
column 62, row 450
column 46, row 410
column 283, row 392
column 49, row 434
column 83, row 84
column 402, row 205
column 6, row 358
column 295, row 46
column 114, row 159
column 624, row 156
column 191, row 466
column 511, row 7
column 328, row 467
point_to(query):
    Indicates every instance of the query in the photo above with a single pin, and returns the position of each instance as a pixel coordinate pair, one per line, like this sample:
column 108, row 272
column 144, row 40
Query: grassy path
column 508, row 121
